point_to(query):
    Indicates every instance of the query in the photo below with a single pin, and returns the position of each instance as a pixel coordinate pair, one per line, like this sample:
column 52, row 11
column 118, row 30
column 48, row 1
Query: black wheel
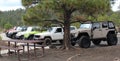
column 96, row 42
column 73, row 44
column 73, row 40
column 21, row 37
column 30, row 37
column 61, row 41
column 84, row 42
column 112, row 39
column 13, row 36
column 48, row 41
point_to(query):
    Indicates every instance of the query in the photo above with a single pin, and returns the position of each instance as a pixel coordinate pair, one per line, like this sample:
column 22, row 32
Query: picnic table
column 27, row 42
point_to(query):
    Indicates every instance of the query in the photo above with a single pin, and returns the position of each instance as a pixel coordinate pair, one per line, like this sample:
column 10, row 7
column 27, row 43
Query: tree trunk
column 67, row 35
column 67, row 38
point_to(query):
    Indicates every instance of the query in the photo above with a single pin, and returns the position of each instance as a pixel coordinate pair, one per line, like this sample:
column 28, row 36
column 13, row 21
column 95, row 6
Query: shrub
column 7, row 26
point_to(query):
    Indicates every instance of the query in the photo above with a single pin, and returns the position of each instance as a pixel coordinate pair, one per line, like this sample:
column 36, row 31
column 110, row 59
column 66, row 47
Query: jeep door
column 58, row 35
column 104, row 29
column 97, row 32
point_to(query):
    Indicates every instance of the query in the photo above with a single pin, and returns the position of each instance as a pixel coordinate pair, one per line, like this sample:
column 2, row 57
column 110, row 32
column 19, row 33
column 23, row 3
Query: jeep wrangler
column 96, row 32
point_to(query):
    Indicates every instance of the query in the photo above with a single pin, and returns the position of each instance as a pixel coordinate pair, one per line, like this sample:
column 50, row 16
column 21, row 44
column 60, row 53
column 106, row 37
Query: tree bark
column 67, row 35
column 67, row 38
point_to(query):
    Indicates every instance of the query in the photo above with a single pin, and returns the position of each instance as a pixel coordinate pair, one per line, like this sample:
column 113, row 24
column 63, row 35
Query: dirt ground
column 95, row 53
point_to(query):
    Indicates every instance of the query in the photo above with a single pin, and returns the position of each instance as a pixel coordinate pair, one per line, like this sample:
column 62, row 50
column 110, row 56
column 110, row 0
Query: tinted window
column 104, row 25
column 58, row 30
column 111, row 25
column 85, row 26
column 96, row 25
column 24, row 29
column 72, row 28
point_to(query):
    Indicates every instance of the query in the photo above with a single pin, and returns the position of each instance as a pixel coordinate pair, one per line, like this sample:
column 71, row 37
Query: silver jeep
column 95, row 32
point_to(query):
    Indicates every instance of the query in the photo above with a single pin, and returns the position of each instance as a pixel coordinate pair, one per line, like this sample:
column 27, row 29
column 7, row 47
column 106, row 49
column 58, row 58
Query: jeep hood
column 83, row 30
column 80, row 30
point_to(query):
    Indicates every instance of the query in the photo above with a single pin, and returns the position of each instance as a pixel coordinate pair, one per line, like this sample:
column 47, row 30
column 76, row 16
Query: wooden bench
column 12, row 48
column 33, row 45
column 25, row 42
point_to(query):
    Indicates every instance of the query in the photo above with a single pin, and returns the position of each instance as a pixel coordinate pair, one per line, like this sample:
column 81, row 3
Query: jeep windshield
column 85, row 26
column 21, row 28
column 49, row 29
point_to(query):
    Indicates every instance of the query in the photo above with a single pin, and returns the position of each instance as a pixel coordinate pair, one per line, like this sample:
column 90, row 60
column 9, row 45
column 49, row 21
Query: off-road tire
column 84, row 42
column 30, row 37
column 61, row 42
column 96, row 42
column 21, row 37
column 73, row 41
column 112, row 39
column 48, row 41
column 13, row 36
column 73, row 44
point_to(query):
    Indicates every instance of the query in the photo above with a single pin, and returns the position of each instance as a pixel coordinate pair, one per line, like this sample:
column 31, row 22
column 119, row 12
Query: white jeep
column 52, row 34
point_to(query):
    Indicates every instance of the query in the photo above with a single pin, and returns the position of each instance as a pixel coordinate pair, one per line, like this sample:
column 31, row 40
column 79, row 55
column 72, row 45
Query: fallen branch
column 70, row 58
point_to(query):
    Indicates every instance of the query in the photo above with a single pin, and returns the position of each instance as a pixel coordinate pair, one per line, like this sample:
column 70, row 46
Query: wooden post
column 23, row 49
column 28, row 51
column 43, row 51
column 0, row 52
column 35, row 49
column 9, row 49
column 15, row 46
column 18, row 54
